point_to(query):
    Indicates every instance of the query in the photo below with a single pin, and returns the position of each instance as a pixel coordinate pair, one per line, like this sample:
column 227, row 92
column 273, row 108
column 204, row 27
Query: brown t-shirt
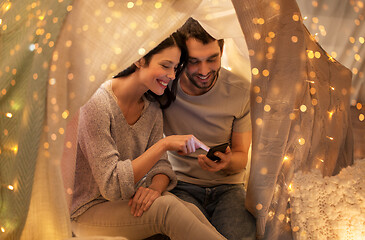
column 210, row 117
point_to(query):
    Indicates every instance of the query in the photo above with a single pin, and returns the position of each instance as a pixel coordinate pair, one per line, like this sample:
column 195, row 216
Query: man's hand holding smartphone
column 217, row 158
column 218, row 148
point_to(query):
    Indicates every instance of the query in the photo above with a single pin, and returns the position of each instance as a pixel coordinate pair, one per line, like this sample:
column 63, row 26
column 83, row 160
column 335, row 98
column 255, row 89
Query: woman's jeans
column 167, row 215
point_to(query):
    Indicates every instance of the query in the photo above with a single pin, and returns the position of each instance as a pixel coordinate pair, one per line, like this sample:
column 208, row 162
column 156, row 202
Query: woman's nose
column 171, row 75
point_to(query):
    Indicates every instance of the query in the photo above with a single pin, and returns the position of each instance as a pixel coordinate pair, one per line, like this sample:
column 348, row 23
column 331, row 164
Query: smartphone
column 212, row 150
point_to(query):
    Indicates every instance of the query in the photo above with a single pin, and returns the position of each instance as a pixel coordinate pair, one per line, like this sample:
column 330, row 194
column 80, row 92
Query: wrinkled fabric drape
column 28, row 31
column 98, row 39
column 300, row 113
column 340, row 30
column 299, row 97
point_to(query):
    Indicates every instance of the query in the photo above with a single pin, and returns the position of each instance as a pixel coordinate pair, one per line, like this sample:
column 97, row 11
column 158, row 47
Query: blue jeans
column 223, row 206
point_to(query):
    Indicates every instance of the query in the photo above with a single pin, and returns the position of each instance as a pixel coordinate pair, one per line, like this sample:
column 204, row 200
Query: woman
column 122, row 174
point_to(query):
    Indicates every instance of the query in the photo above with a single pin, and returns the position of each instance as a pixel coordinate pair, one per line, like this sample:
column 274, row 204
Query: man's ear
column 140, row 63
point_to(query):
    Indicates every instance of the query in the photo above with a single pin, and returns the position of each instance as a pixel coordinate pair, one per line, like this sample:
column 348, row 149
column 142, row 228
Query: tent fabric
column 295, row 131
column 98, row 39
column 300, row 95
column 28, row 31
column 339, row 28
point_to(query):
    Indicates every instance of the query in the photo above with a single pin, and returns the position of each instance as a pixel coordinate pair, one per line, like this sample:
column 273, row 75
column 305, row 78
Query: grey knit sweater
column 106, row 146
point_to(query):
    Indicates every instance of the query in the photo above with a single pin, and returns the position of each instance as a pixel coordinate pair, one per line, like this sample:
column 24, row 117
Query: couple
column 123, row 175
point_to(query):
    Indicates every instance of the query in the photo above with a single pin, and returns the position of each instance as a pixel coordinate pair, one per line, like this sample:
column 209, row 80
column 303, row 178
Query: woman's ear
column 140, row 63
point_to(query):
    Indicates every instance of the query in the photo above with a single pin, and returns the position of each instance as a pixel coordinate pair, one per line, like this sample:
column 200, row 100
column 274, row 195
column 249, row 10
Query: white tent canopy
column 300, row 95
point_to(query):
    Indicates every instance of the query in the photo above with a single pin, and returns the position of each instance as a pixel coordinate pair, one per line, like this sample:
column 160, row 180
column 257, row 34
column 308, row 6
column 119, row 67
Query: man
column 213, row 105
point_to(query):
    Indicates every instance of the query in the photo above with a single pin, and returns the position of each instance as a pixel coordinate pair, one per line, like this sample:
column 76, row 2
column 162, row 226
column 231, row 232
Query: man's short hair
column 193, row 29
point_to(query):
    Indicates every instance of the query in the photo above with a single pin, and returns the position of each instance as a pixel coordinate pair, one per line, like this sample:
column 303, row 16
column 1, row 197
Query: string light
column 8, row 114
column 331, row 58
column 358, row 106
column 303, row 108
column 259, row 206
column 361, row 117
column 158, row 5
column 13, row 149
column 281, row 217
column 6, row 6
column 65, row 114
column 141, row 51
column 310, row 54
column 255, row 71
column 227, row 68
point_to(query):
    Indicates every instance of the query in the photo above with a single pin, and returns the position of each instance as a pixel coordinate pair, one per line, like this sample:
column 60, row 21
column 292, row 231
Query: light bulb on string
column 361, row 117
column 8, row 186
column 6, row 6
column 7, row 114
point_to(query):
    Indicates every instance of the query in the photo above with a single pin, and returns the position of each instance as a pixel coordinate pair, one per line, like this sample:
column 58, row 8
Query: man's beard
column 198, row 84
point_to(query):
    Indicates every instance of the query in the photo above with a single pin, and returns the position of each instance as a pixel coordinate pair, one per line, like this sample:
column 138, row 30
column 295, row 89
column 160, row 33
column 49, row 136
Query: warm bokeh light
column 255, row 71
column 258, row 121
column 361, row 117
column 303, row 108
column 259, row 206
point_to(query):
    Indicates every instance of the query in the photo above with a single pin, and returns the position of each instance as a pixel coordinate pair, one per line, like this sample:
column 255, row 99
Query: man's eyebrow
column 211, row 56
column 214, row 55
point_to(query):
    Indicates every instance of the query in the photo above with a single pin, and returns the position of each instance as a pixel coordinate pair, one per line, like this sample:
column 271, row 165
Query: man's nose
column 204, row 68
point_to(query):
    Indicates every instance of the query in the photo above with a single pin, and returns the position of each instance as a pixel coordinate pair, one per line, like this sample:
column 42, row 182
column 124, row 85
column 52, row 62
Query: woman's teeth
column 163, row 83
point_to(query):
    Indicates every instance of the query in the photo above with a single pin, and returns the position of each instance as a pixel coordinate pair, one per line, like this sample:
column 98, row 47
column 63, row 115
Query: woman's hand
column 183, row 144
column 142, row 200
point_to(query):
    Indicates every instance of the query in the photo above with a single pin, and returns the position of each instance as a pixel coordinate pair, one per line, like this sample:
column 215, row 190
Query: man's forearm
column 237, row 164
